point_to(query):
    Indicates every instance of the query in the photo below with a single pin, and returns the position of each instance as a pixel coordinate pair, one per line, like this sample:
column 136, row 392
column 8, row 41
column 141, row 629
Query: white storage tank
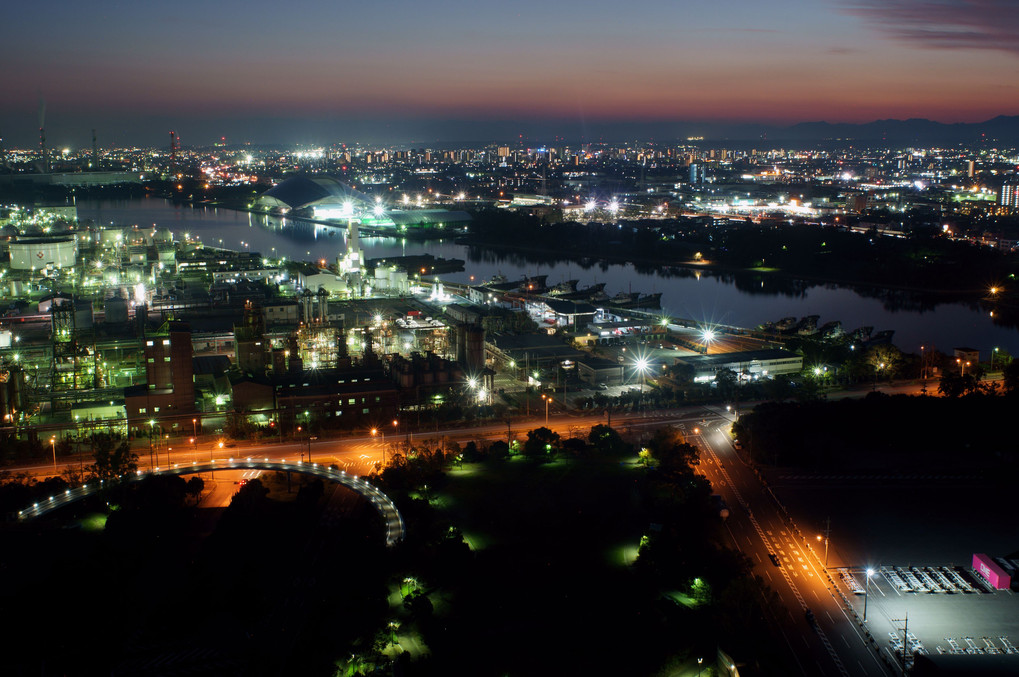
column 38, row 253
column 398, row 281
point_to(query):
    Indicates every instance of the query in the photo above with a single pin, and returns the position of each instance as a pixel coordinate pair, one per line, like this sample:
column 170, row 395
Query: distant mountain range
column 1002, row 129
column 442, row 132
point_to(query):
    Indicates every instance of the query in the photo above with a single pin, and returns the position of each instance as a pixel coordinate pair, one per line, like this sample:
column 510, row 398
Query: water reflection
column 740, row 298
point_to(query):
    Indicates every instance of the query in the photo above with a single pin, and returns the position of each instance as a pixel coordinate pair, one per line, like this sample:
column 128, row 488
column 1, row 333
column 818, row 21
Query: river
column 745, row 300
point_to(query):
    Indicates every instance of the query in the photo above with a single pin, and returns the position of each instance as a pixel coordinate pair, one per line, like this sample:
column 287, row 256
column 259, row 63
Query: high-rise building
column 1008, row 196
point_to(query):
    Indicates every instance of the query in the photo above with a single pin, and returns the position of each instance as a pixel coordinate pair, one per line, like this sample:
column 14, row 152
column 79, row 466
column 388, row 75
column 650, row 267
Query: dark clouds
column 945, row 24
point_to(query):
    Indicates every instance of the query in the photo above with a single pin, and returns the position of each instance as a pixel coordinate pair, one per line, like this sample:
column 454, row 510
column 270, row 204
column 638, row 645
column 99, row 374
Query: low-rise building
column 596, row 370
column 336, row 398
column 283, row 311
column 750, row 364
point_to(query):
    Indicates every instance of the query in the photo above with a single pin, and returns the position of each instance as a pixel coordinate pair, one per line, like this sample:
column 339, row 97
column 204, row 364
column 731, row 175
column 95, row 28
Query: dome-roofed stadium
column 325, row 199
column 318, row 196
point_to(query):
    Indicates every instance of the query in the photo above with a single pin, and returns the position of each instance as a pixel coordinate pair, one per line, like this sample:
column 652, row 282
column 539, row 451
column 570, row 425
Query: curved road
column 382, row 503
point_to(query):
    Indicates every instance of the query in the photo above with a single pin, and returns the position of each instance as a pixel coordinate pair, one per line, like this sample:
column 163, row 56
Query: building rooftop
column 738, row 357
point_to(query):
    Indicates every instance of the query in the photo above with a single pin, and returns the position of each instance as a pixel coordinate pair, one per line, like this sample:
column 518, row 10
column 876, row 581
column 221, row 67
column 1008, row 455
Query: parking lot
column 934, row 608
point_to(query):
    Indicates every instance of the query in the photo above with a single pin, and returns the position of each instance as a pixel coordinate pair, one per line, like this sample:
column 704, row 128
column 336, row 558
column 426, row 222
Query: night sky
column 449, row 70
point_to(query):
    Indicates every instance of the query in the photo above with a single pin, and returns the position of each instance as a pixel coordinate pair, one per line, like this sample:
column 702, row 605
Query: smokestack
column 173, row 155
column 95, row 152
column 42, row 137
column 323, row 306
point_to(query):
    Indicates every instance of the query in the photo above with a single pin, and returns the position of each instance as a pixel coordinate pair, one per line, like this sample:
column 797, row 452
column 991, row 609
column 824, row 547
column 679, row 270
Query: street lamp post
column 923, row 369
column 699, row 662
column 53, row 444
column 375, row 432
column 825, row 539
column 866, row 594
column 152, row 432
column 548, row 401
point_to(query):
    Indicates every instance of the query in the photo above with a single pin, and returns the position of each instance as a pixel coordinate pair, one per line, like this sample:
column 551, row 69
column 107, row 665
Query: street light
column 866, row 594
column 548, row 401
column 642, row 367
column 375, row 432
column 708, row 335
column 152, row 432
column 699, row 661
column 825, row 539
column 53, row 444
column 923, row 369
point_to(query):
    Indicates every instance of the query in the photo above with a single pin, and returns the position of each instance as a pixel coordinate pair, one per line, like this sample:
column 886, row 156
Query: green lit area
column 94, row 522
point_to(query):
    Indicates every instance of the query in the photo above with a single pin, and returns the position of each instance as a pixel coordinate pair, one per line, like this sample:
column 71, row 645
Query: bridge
column 382, row 503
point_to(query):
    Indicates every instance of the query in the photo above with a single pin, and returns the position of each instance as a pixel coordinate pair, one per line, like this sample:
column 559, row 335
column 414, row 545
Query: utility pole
column 905, row 639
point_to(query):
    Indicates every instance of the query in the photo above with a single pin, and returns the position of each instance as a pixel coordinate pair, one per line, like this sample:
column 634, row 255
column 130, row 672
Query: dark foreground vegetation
column 594, row 554
column 568, row 556
column 152, row 585
column 949, row 434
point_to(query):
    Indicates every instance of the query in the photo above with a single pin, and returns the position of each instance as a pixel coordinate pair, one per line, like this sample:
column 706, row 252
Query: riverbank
column 707, row 267
column 948, row 294
column 718, row 295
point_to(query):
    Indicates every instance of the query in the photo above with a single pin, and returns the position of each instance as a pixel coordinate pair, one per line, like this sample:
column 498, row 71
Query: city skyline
column 314, row 72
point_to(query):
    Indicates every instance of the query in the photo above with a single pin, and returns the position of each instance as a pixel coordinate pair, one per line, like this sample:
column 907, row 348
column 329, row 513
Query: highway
column 830, row 645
